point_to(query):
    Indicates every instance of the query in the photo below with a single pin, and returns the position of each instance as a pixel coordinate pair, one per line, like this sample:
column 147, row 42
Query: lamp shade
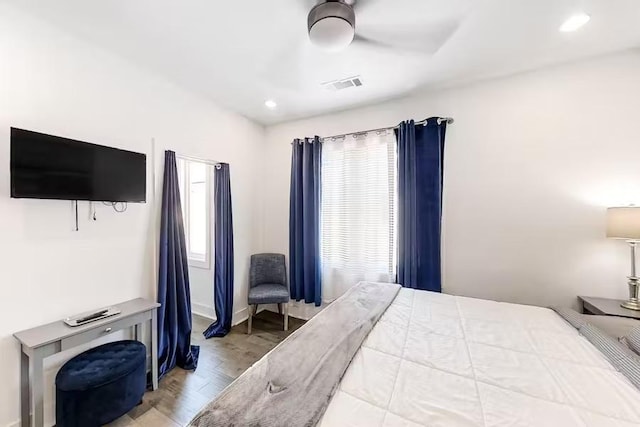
column 623, row 223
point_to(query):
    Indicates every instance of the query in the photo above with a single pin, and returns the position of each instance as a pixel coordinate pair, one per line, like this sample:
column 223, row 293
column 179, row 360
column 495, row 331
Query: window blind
column 358, row 213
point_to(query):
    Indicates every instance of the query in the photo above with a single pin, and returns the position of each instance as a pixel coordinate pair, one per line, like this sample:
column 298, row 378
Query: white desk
column 46, row 340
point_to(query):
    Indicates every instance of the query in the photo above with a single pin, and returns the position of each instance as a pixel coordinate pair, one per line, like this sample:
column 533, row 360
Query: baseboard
column 203, row 310
column 240, row 316
column 300, row 310
column 48, row 408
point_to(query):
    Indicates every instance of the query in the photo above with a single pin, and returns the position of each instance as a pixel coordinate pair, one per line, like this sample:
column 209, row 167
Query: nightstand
column 606, row 307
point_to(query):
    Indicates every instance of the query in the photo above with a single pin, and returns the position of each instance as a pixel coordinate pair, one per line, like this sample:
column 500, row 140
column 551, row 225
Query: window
column 195, row 182
column 359, row 179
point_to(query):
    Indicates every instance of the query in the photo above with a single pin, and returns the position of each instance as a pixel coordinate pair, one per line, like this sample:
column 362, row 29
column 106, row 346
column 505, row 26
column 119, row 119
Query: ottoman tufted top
column 101, row 365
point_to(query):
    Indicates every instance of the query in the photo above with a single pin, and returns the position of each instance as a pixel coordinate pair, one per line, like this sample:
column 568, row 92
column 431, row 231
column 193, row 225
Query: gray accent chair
column 268, row 285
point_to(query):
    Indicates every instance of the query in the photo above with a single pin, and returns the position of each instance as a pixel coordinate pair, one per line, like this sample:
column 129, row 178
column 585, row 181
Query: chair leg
column 279, row 308
column 286, row 316
column 249, row 321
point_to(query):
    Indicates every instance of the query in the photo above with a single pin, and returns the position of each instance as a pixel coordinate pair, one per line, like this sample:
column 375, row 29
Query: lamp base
column 631, row 305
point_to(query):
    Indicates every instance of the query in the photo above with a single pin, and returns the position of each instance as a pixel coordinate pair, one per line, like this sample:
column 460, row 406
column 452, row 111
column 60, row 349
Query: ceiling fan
column 341, row 34
column 331, row 26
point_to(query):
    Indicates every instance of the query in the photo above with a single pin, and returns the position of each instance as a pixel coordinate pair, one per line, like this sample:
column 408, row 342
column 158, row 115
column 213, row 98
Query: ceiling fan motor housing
column 332, row 25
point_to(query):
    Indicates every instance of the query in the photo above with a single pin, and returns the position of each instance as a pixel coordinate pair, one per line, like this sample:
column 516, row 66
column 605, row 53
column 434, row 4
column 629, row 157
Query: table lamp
column 624, row 223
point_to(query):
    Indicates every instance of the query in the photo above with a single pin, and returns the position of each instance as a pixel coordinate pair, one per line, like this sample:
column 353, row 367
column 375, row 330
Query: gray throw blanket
column 293, row 384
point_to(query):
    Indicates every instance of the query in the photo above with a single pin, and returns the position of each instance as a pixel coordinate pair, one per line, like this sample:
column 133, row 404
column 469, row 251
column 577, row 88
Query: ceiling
column 240, row 53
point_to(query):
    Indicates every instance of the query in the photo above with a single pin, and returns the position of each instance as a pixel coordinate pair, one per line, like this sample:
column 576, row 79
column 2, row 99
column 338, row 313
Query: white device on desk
column 91, row 316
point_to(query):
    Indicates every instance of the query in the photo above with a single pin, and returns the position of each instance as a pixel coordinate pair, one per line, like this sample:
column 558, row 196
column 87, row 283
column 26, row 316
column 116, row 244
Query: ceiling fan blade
column 426, row 49
column 425, row 43
column 359, row 40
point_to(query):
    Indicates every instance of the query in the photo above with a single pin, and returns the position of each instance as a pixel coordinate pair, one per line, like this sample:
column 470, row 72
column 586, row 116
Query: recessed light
column 574, row 22
column 270, row 104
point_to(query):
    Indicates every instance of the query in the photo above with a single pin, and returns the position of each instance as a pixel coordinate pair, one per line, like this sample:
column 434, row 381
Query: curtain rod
column 449, row 121
column 199, row 160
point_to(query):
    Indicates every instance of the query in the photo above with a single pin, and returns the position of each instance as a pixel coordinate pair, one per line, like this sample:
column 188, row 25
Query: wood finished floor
column 181, row 394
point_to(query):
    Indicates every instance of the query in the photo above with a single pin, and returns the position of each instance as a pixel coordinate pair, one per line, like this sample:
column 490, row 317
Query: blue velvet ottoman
column 101, row 384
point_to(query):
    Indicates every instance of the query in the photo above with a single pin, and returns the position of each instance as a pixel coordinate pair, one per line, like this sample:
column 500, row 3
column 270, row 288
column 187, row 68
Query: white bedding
column 440, row 360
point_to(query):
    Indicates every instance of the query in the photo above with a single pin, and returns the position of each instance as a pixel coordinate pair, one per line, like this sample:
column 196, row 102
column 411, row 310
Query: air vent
column 343, row 84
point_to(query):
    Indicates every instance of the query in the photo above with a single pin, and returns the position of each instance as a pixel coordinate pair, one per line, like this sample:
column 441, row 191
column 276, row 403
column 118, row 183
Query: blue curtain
column 420, row 169
column 304, row 221
column 174, row 314
column 223, row 281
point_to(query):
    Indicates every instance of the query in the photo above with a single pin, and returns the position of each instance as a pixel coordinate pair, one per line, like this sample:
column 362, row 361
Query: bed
column 439, row 360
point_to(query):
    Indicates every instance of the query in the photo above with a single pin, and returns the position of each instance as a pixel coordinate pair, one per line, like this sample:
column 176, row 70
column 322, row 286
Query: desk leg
column 154, row 349
column 37, row 390
column 24, row 389
column 138, row 332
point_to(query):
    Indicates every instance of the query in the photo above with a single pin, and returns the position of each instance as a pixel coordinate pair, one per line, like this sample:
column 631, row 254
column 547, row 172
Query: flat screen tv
column 50, row 167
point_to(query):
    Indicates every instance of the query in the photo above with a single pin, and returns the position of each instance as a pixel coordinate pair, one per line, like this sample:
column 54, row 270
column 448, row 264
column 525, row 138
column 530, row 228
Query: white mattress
column 441, row 360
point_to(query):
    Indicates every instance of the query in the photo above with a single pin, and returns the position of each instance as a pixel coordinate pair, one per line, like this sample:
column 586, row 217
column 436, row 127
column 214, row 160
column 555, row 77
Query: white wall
column 531, row 163
column 53, row 83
